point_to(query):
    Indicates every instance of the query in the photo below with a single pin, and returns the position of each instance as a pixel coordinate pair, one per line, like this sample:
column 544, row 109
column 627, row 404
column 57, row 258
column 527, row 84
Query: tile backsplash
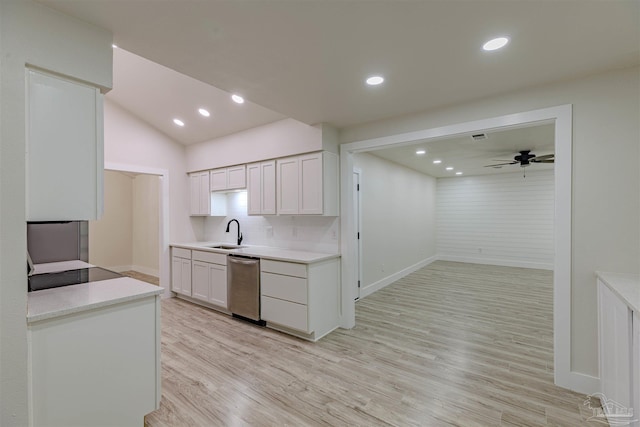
column 310, row 233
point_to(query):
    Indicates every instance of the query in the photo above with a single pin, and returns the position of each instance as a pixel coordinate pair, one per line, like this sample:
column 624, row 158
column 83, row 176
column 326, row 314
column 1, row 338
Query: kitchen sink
column 226, row 247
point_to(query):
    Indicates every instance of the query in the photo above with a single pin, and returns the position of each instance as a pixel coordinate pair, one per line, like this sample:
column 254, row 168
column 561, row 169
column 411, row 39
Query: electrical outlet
column 334, row 235
column 269, row 231
column 294, row 231
column 479, row 250
column 382, row 267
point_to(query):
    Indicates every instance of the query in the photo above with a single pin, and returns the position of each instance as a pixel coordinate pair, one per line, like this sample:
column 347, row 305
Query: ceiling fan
column 525, row 158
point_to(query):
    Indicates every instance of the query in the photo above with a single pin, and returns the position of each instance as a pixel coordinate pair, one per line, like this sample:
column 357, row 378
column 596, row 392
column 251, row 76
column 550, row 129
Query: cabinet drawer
column 181, row 253
column 284, row 287
column 212, row 257
column 285, row 313
column 286, row 268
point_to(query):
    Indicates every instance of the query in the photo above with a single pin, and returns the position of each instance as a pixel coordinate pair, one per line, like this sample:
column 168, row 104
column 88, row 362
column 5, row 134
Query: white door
column 218, row 284
column 310, row 184
column 200, row 280
column 194, row 186
column 356, row 223
column 218, row 179
column 205, row 194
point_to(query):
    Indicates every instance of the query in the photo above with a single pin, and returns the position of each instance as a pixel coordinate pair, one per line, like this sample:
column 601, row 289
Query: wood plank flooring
column 451, row 344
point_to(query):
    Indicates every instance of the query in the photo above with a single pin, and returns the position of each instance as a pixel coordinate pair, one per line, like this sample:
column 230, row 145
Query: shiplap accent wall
column 502, row 219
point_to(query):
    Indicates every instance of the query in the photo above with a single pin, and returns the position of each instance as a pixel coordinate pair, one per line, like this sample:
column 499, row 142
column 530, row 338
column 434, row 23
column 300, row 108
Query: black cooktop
column 38, row 282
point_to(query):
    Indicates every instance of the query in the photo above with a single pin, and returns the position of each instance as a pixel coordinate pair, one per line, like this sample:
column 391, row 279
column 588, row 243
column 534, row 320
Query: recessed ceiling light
column 420, row 152
column 203, row 112
column 449, row 168
column 375, row 80
column 237, row 99
column 458, row 173
column 437, row 162
column 496, row 43
column 113, row 45
column 178, row 122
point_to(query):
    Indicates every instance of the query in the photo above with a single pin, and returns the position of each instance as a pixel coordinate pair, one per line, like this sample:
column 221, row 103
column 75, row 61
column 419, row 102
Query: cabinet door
column 254, row 189
column 194, row 194
column 218, row 179
column 287, row 192
column 218, row 285
column 186, row 276
column 268, row 185
column 236, row 177
column 176, row 274
column 200, row 280
column 65, row 154
column 310, row 187
column 205, row 194
column 615, row 346
column 181, row 275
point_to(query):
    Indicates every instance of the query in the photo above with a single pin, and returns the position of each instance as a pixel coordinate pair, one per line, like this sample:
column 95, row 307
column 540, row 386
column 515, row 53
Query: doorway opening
column 132, row 235
column 559, row 116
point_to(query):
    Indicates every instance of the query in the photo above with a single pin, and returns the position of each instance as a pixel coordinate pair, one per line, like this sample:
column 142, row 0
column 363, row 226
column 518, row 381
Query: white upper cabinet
column 218, row 179
column 261, row 188
column 308, row 184
column 65, row 154
column 231, row 178
column 287, row 188
column 236, row 177
column 200, row 196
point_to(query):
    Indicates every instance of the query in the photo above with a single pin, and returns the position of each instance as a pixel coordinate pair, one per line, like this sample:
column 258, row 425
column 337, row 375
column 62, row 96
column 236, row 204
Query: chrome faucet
column 239, row 234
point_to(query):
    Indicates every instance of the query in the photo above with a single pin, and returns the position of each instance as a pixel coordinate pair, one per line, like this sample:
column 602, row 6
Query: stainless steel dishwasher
column 243, row 287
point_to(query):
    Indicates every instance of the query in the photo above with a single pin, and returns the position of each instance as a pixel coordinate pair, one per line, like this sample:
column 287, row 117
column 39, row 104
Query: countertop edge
column 314, row 256
column 106, row 302
column 623, row 285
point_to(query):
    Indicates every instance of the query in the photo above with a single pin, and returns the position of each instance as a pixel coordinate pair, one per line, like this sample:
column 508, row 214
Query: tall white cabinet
column 619, row 345
column 181, row 271
column 65, row 142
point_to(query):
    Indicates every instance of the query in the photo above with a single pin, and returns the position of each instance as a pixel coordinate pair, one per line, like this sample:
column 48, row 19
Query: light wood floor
column 452, row 344
column 142, row 276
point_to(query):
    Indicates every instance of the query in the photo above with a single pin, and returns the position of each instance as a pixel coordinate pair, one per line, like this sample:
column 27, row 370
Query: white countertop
column 624, row 285
column 53, row 267
column 289, row 255
column 55, row 302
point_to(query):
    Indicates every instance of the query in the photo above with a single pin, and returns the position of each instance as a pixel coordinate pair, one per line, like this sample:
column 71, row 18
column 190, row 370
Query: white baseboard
column 146, row 270
column 118, row 268
column 494, row 261
column 376, row 286
column 578, row 382
column 138, row 268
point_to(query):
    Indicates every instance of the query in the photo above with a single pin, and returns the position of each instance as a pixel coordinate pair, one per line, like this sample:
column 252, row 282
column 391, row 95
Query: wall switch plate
column 334, row 235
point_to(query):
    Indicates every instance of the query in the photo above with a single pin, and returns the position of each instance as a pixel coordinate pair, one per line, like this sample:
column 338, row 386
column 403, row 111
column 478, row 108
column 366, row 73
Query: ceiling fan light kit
column 525, row 158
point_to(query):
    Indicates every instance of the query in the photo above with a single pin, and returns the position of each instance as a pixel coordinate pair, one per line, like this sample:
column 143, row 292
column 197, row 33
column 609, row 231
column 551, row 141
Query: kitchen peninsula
column 94, row 351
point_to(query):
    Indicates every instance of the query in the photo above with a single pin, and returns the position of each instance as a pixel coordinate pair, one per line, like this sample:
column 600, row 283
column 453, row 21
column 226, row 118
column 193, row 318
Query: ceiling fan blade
column 500, row 164
column 544, row 161
column 545, row 157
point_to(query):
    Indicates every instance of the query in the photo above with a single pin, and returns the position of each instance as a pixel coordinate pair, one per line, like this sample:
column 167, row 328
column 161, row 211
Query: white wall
column 282, row 138
column 110, row 238
column 34, row 34
column 130, row 141
column 501, row 219
column 145, row 216
column 605, row 195
column 309, row 233
column 398, row 229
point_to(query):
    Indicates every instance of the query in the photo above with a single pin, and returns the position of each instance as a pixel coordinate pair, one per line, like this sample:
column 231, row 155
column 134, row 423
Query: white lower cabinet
column 181, row 271
column 301, row 299
column 209, row 277
column 619, row 344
